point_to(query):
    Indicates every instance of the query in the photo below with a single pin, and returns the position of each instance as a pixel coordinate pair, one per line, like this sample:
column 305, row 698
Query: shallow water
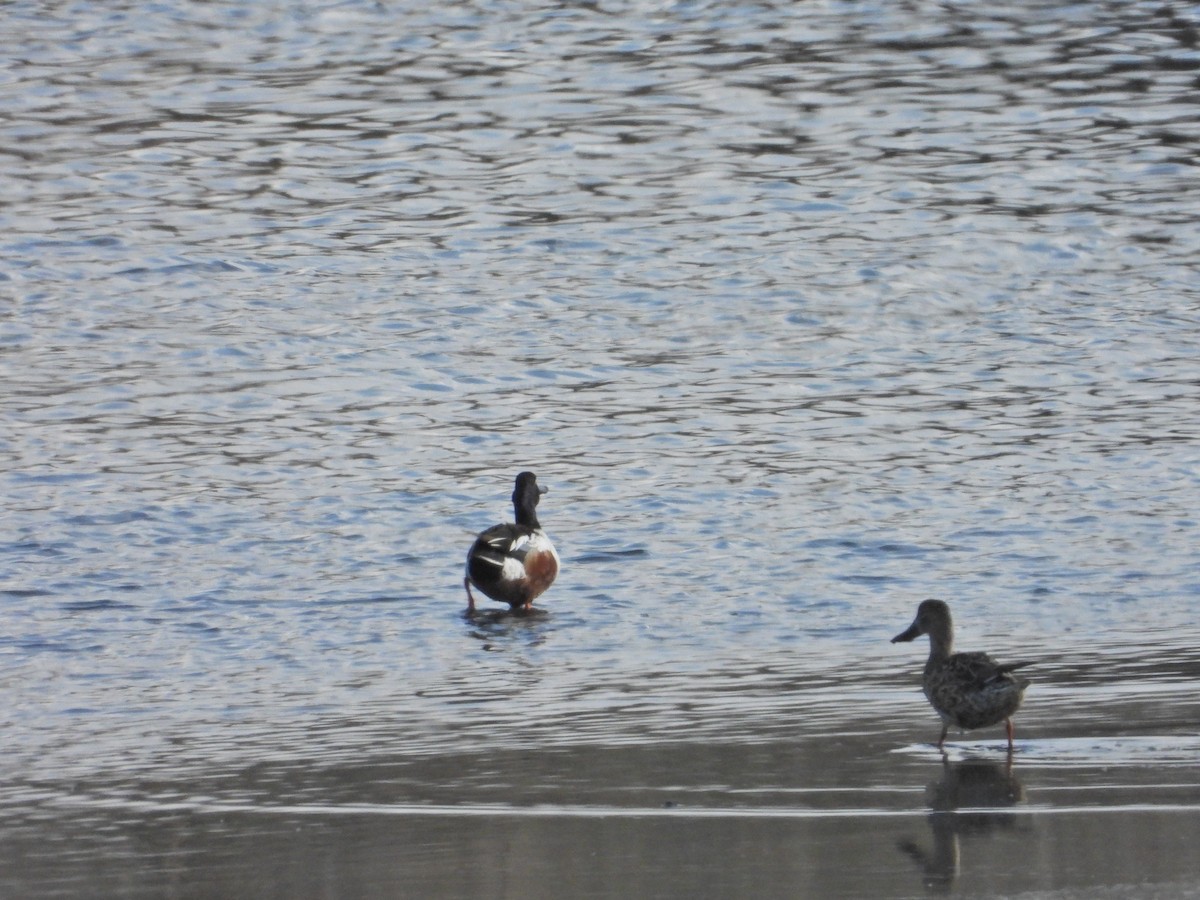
column 803, row 314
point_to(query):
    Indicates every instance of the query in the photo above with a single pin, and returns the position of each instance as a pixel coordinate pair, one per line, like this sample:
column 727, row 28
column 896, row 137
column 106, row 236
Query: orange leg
column 1008, row 727
column 470, row 598
column 942, row 739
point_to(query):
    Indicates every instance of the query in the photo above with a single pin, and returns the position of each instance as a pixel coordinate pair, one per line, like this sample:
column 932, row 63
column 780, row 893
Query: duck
column 514, row 562
column 967, row 690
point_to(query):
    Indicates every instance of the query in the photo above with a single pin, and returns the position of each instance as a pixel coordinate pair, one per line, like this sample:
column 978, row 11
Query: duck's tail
column 1012, row 667
column 1004, row 672
column 1008, row 668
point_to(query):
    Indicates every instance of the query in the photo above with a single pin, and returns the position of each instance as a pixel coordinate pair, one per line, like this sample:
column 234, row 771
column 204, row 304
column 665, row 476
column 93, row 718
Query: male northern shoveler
column 968, row 690
column 513, row 563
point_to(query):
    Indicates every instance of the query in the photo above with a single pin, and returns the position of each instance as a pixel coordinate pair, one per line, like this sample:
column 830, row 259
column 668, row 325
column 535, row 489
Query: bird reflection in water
column 972, row 798
column 492, row 625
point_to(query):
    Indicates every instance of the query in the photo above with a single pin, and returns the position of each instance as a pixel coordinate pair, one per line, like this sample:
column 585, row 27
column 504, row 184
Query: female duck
column 513, row 563
column 968, row 690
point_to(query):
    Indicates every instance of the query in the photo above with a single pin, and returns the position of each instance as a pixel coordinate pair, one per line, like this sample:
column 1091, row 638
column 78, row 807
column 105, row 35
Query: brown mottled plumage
column 968, row 690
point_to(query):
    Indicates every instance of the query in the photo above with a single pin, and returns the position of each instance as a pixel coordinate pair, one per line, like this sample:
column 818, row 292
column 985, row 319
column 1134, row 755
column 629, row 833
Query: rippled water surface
column 802, row 311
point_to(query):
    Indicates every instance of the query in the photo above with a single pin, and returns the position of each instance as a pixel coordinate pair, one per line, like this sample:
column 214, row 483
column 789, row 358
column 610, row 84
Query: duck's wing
column 500, row 542
column 979, row 669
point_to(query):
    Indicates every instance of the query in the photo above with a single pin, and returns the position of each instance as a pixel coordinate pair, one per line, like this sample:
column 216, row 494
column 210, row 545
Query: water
column 803, row 314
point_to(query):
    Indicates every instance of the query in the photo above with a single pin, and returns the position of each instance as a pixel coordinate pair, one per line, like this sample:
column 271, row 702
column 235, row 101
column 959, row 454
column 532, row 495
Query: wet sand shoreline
column 902, row 823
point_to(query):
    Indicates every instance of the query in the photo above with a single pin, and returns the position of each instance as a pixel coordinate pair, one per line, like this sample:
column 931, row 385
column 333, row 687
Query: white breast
column 539, row 543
